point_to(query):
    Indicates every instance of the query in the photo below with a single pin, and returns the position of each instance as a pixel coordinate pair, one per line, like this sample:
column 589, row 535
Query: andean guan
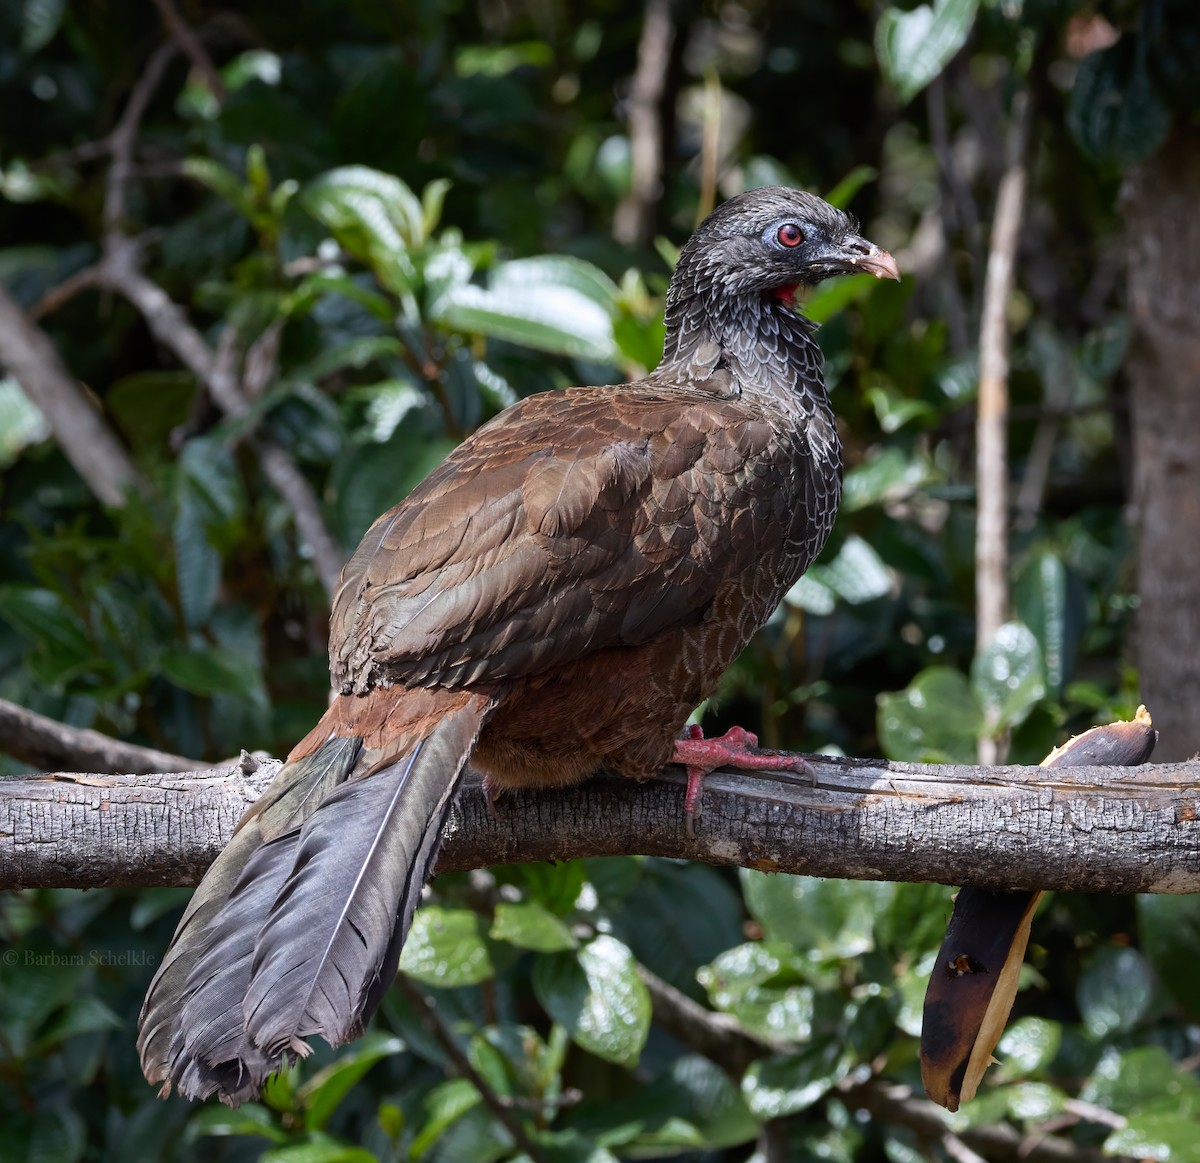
column 556, row 597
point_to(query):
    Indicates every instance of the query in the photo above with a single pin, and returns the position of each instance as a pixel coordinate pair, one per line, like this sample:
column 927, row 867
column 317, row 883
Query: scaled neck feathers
column 766, row 346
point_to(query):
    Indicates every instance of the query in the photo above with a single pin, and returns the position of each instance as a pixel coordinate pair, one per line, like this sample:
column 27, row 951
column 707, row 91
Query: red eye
column 790, row 235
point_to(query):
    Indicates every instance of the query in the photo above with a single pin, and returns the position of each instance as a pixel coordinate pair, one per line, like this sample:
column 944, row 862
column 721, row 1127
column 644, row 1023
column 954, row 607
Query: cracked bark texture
column 1163, row 234
column 1095, row 829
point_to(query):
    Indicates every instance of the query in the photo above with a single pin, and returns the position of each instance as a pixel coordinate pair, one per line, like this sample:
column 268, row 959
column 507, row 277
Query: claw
column 733, row 749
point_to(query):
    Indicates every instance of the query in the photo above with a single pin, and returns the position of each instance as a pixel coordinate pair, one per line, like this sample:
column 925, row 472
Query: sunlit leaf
column 934, row 720
column 915, row 46
column 447, row 948
column 597, row 995
column 1007, row 677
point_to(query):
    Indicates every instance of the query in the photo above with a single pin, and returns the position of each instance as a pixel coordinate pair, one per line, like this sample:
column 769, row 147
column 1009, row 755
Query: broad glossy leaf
column 447, row 948
column 552, row 303
column 1007, row 677
column 210, row 671
column 597, row 995
column 529, row 925
column 446, row 1104
column 760, row 984
column 1117, row 114
column 375, row 217
column 785, row 1084
column 1159, row 1134
column 1029, row 1046
column 1138, row 1079
column 831, row 919
column 1116, row 990
column 857, row 574
column 322, row 1093
column 1169, row 937
column 935, row 719
column 915, row 46
column 1044, row 600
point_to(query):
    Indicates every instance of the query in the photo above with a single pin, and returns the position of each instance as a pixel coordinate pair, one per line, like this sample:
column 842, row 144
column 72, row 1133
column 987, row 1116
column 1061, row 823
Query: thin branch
column 78, row 425
column 954, row 198
column 991, row 540
column 460, row 1064
column 633, row 222
column 718, row 1037
column 1086, row 829
column 123, row 139
column 47, row 743
column 724, row 1042
column 898, row 1105
column 291, row 484
column 191, row 46
column 216, row 370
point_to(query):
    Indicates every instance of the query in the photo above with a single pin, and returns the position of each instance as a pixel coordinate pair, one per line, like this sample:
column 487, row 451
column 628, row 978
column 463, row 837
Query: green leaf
column 785, row 1084
column 1115, row 991
column 1117, row 115
column 598, row 997
column 1007, row 677
column 934, row 720
column 40, row 21
column 21, row 423
column 1041, row 600
column 914, row 47
column 530, row 926
column 1140, row 1079
column 318, row 1149
column 447, row 948
column 843, row 193
column 221, row 181
column 857, row 574
column 46, row 620
column 1169, row 937
column 251, row 1119
column 759, row 984
column 445, row 1104
column 433, row 198
column 368, row 479
column 552, row 303
column 829, row 919
column 1166, row 1135
column 322, row 1093
column 211, row 671
column 884, row 474
column 375, row 217
column 1029, row 1046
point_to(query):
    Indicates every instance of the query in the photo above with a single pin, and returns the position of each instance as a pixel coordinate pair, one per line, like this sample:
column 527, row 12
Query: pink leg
column 736, row 748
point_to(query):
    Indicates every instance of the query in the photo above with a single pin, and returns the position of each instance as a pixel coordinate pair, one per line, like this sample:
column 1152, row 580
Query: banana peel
column 974, row 979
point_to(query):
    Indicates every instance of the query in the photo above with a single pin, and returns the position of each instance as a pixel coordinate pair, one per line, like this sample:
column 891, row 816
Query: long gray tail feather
column 294, row 794
column 314, row 909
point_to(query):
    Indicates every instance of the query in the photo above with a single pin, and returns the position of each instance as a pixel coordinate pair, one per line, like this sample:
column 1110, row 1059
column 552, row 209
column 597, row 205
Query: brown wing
column 575, row 521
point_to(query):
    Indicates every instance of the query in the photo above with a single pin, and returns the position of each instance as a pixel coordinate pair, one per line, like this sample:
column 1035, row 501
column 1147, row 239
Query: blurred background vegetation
column 289, row 255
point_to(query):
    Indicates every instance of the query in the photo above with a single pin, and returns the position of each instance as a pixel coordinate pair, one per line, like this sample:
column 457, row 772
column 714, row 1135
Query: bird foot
column 737, row 748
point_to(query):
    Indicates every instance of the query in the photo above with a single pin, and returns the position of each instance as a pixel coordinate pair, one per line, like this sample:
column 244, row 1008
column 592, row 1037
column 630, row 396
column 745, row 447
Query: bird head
column 772, row 241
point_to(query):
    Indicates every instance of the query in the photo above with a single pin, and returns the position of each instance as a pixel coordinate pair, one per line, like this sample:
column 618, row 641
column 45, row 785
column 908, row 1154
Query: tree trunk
column 1164, row 371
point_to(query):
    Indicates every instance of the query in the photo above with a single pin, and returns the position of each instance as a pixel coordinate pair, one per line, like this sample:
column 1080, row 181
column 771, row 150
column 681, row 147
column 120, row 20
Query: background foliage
column 403, row 213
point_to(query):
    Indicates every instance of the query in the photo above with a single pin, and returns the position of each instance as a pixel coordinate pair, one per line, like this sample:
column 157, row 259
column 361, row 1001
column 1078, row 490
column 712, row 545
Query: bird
column 556, row 598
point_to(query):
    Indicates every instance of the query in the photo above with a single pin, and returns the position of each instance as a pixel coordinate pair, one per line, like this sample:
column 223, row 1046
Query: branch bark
column 46, row 743
column 1090, row 829
column 1163, row 364
column 78, row 426
column 991, row 472
column 633, row 222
